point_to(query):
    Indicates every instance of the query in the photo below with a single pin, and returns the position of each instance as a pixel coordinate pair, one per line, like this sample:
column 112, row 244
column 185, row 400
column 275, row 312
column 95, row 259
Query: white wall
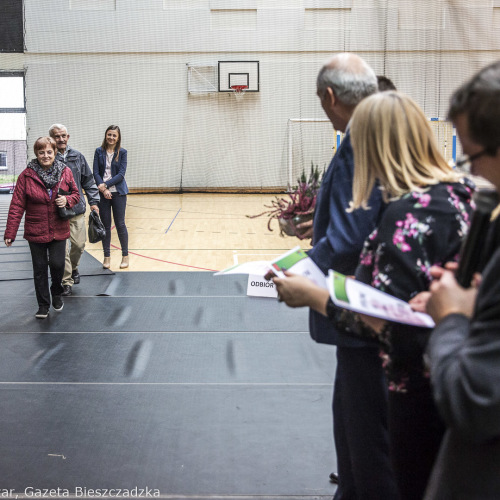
column 92, row 63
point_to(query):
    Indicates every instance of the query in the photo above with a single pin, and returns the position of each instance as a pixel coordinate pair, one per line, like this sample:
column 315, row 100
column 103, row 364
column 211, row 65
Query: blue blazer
column 338, row 235
column 118, row 169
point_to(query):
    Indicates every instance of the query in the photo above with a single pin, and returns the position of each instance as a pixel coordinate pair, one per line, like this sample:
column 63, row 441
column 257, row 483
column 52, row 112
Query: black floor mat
column 15, row 261
column 176, row 384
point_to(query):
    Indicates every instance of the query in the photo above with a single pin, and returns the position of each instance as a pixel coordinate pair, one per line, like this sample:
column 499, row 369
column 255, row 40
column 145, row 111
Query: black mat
column 177, row 302
column 90, row 286
column 17, row 265
column 172, row 383
column 15, row 261
column 182, row 440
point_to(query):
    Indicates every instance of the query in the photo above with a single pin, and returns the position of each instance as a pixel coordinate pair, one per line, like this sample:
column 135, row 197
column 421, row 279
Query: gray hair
column 58, row 126
column 350, row 78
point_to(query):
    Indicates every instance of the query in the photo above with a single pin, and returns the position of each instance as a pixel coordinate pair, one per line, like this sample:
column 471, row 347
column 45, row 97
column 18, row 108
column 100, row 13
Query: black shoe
column 57, row 303
column 67, row 291
column 334, row 478
column 76, row 277
column 42, row 313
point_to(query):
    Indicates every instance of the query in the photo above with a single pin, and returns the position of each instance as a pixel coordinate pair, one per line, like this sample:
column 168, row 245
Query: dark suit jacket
column 339, row 235
column 118, row 169
column 465, row 373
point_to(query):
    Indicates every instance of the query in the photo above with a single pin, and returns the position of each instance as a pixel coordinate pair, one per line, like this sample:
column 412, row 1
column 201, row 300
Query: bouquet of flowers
column 298, row 207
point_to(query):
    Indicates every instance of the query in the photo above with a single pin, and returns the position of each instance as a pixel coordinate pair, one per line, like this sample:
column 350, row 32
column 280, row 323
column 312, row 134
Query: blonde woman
column 427, row 214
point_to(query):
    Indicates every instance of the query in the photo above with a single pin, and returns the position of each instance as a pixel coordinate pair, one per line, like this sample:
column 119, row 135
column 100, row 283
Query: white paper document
column 345, row 292
column 295, row 260
column 359, row 297
column 257, row 286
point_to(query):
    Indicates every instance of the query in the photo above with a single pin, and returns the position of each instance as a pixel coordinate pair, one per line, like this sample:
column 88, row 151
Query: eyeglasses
column 465, row 161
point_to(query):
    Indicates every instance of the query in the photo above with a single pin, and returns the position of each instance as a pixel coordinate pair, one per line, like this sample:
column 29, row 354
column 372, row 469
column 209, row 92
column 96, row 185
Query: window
column 3, row 160
column 12, row 92
column 11, row 26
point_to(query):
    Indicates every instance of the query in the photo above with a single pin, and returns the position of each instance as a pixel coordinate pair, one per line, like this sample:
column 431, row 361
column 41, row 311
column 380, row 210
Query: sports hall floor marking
column 166, row 261
column 173, row 220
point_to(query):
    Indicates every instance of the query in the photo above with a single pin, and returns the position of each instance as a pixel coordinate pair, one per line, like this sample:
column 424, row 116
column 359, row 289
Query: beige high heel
column 124, row 263
column 107, row 263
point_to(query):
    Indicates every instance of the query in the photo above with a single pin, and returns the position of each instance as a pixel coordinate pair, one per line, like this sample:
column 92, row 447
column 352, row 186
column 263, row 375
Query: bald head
column 350, row 78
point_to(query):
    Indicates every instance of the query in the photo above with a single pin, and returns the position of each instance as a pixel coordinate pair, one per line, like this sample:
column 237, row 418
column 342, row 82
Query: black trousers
column 44, row 256
column 416, row 431
column 361, row 428
column 118, row 204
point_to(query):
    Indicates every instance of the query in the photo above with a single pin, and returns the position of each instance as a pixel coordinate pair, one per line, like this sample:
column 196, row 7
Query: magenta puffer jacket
column 42, row 223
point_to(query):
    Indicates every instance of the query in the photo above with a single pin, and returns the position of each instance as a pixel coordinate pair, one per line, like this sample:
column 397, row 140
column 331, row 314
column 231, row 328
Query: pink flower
column 410, row 220
column 423, row 198
column 366, row 260
column 398, row 237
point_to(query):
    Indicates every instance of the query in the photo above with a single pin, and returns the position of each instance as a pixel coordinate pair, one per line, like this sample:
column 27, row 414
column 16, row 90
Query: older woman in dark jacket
column 36, row 193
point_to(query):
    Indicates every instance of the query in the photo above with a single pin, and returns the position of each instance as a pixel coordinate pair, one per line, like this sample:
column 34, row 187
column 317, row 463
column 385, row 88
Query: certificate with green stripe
column 362, row 298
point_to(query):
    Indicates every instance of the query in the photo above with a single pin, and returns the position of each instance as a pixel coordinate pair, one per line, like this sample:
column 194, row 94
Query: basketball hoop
column 239, row 91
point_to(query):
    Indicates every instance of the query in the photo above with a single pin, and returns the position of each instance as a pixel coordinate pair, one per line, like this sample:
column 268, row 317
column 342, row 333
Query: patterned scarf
column 51, row 176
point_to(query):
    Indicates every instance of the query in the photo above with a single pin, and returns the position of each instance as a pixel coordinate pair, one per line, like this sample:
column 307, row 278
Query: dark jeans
column 360, row 426
column 118, row 203
column 44, row 256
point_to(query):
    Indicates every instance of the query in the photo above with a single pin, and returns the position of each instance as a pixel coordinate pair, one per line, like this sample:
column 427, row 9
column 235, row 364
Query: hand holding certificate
column 295, row 261
column 359, row 297
column 345, row 292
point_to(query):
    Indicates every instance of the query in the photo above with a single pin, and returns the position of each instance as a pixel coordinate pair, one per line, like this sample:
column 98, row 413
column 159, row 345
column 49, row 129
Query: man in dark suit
column 360, row 390
column 464, row 349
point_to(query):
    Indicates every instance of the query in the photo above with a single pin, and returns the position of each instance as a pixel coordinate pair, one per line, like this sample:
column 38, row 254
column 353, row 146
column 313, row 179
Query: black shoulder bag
column 97, row 232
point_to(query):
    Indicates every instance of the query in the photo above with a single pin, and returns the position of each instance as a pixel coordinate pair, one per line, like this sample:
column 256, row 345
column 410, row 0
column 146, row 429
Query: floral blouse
column 416, row 231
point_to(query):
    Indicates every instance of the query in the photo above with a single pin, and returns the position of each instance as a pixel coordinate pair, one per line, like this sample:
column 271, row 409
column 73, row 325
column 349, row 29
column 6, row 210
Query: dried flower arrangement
column 298, row 207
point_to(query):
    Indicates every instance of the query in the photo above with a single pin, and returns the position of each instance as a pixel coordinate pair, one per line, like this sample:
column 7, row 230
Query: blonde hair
column 394, row 144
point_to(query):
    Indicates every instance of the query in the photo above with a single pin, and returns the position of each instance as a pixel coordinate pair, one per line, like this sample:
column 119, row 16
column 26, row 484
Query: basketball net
column 239, row 91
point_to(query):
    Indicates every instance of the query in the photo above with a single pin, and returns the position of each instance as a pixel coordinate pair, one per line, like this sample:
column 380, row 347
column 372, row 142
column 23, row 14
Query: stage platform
column 177, row 382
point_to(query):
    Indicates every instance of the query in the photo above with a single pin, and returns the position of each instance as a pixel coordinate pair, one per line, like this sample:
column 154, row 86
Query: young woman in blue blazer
column 110, row 165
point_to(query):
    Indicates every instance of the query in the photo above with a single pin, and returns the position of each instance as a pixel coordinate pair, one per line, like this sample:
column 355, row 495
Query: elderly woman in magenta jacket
column 36, row 193
column 110, row 165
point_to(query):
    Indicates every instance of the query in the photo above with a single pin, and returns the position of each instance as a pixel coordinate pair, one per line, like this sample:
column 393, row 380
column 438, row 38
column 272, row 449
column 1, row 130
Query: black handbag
column 96, row 228
column 64, row 212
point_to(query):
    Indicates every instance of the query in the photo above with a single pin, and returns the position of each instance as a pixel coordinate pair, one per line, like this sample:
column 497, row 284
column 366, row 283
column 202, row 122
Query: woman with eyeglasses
column 427, row 215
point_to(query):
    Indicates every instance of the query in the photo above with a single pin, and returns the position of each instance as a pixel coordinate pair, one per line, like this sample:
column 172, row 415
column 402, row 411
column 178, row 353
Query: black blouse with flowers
column 417, row 231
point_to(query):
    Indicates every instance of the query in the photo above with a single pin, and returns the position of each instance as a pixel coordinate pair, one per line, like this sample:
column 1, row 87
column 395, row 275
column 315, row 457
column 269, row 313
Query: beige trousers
column 75, row 246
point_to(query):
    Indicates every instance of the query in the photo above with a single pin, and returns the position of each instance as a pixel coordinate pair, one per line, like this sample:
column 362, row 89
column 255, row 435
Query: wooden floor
column 196, row 232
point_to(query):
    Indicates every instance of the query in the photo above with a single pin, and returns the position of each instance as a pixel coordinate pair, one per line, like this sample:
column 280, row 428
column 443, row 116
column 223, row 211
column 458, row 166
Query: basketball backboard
column 238, row 73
